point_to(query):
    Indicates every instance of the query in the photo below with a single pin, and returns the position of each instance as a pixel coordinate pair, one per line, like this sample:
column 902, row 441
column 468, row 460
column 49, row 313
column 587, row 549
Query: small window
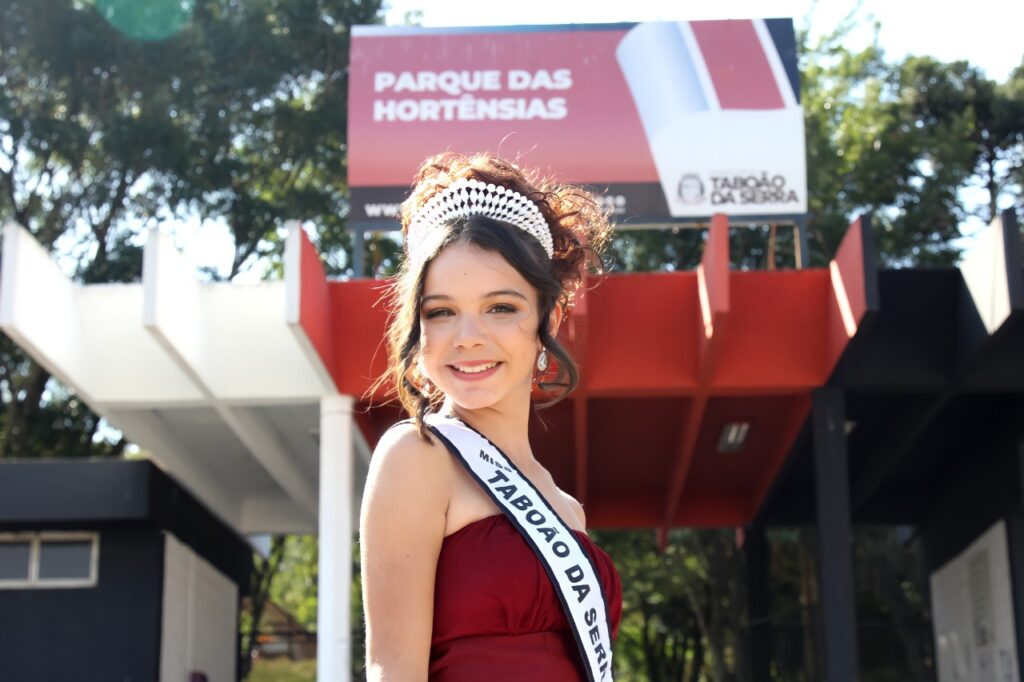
column 45, row 560
column 65, row 559
column 15, row 558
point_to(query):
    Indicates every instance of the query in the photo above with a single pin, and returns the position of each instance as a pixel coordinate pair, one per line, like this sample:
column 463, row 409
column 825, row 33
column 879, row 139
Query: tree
column 265, row 570
column 118, row 115
column 683, row 607
column 904, row 141
column 110, row 123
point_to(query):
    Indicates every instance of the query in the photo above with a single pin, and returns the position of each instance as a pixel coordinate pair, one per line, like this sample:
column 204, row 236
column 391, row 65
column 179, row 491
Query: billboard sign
column 669, row 121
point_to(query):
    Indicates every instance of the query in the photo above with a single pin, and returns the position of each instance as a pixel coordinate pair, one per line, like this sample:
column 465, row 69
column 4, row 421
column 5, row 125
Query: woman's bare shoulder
column 405, row 467
column 577, row 508
column 404, row 442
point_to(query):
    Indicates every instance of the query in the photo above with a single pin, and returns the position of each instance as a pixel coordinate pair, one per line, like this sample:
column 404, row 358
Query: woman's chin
column 481, row 397
column 468, row 401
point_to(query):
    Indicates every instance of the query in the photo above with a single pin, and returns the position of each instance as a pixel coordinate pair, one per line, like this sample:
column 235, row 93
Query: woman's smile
column 469, row 371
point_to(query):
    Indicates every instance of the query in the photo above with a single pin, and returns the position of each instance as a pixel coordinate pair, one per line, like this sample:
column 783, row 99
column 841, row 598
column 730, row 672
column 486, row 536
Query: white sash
column 567, row 563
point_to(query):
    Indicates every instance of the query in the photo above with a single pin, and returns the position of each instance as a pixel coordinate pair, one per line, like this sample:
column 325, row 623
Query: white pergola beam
column 174, row 314
column 986, row 271
column 147, row 427
column 275, row 516
column 266, row 445
column 46, row 324
column 88, row 337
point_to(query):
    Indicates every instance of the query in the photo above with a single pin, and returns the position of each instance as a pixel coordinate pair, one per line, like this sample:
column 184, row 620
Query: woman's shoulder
column 408, row 483
column 403, row 453
column 577, row 508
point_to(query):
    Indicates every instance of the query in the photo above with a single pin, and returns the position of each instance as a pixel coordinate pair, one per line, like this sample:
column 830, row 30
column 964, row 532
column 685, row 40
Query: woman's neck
column 508, row 428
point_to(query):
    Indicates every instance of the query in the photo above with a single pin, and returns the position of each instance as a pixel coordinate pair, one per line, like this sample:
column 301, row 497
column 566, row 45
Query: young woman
column 475, row 565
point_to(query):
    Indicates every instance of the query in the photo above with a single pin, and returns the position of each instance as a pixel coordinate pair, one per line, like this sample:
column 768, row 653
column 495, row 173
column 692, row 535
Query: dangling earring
column 542, row 361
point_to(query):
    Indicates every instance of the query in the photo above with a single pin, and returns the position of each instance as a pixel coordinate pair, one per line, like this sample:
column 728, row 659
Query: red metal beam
column 713, row 290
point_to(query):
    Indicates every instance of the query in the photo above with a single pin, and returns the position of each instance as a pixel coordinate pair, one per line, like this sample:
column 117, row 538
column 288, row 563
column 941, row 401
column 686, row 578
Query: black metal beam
column 975, row 345
column 835, row 537
column 891, row 451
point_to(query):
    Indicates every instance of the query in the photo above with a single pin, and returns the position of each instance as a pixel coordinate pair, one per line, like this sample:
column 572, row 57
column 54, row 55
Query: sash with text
column 567, row 563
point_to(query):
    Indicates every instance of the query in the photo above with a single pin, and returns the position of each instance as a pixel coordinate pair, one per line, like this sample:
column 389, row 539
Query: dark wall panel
column 103, row 633
column 979, row 492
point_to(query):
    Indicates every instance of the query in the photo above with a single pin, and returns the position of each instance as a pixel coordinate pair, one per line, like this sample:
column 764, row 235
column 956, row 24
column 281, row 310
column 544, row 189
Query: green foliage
column 682, row 607
column 905, row 141
column 119, row 115
column 292, row 583
column 154, row 20
column 295, row 584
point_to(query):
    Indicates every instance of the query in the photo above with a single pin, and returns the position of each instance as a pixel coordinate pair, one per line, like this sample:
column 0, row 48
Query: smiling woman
column 475, row 564
column 545, row 232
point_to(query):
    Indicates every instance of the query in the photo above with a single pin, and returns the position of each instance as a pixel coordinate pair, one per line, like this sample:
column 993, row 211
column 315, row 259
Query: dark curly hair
column 579, row 230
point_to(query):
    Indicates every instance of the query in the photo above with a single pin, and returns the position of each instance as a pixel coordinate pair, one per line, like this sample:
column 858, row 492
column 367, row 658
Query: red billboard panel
column 669, row 121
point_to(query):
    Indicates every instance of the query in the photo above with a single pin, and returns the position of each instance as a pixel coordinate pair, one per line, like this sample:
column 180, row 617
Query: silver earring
column 542, row 361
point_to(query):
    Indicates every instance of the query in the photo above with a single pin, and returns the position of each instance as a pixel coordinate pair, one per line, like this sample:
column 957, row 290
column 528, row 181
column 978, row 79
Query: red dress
column 496, row 614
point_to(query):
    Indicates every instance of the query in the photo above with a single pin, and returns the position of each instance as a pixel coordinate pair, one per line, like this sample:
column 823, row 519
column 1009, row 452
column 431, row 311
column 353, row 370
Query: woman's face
column 479, row 319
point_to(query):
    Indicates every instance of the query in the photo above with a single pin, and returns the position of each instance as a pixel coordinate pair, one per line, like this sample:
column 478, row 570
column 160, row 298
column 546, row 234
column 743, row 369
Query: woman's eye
column 445, row 312
column 437, row 312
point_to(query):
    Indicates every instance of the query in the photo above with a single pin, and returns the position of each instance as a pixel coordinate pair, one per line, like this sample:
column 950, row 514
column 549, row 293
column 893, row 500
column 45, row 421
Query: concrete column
column 334, row 644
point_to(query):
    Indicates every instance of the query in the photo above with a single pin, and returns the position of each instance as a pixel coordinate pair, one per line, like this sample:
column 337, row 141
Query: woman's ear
column 555, row 320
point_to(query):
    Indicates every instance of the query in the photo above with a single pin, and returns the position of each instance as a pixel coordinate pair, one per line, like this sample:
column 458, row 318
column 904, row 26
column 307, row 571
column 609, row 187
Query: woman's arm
column 401, row 527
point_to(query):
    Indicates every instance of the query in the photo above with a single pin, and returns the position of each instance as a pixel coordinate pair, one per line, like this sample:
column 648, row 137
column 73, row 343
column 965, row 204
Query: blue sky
column 984, row 32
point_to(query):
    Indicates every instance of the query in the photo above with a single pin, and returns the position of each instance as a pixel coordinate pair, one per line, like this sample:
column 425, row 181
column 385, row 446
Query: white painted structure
column 198, row 627
column 181, row 367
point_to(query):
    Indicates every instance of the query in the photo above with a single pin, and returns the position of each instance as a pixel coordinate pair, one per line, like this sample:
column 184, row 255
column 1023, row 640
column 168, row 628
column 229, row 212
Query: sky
column 988, row 35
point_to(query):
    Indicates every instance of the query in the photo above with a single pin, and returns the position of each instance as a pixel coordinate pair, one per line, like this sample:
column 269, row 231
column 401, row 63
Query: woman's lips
column 473, row 376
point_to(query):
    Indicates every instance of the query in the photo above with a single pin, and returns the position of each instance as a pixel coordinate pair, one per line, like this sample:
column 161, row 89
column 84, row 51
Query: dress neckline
column 490, row 518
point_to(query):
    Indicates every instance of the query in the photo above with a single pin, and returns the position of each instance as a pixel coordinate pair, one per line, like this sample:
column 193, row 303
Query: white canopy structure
column 219, row 382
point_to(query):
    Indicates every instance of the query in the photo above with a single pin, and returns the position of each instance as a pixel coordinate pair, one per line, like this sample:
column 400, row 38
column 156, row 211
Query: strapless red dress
column 496, row 614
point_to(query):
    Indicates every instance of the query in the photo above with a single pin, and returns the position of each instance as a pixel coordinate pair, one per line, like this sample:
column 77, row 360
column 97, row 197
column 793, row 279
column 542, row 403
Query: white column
column 334, row 645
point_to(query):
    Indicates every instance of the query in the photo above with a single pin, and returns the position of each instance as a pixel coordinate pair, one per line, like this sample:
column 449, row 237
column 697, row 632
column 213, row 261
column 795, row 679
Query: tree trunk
column 809, row 600
column 698, row 659
column 650, row 656
column 263, row 574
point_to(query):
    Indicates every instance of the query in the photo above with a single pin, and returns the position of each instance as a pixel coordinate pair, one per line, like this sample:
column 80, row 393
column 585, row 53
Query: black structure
column 111, row 631
column 922, row 424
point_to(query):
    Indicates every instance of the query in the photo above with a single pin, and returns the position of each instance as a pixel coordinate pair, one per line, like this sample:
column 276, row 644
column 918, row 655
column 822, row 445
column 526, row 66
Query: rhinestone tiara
column 468, row 197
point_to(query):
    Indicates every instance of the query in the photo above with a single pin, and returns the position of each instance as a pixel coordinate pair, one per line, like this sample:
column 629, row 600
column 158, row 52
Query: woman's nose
column 470, row 332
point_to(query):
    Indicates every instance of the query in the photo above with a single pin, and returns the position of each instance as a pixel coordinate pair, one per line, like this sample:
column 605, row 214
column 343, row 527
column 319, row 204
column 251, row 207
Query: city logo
column 691, row 189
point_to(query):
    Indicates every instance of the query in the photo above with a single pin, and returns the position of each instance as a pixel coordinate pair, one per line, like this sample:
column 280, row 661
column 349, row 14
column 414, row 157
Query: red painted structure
column 667, row 361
